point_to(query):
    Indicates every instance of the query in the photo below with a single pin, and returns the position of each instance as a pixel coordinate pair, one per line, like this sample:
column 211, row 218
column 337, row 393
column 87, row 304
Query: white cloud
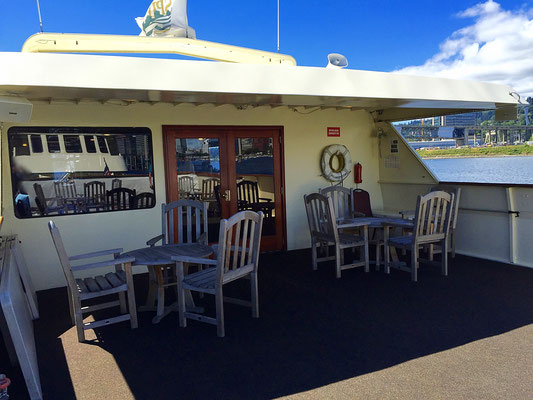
column 497, row 47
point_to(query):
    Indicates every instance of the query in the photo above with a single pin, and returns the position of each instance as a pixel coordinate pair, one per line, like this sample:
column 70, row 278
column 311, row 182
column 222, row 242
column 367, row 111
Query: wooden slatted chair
column 120, row 199
column 94, row 193
column 208, row 188
column 67, row 196
column 186, row 187
column 119, row 282
column 192, row 227
column 456, row 191
column 248, row 195
column 237, row 256
column 144, row 200
column 431, row 226
column 324, row 232
column 46, row 205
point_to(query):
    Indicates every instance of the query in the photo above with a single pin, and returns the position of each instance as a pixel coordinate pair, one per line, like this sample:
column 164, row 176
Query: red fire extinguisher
column 358, row 173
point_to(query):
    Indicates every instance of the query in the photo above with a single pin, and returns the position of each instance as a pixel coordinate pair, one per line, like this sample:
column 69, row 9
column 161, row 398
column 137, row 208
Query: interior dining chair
column 237, row 256
column 324, row 233
column 431, row 226
column 119, row 282
column 182, row 221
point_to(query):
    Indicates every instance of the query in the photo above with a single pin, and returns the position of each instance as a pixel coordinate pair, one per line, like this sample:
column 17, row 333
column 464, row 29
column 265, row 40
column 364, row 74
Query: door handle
column 226, row 195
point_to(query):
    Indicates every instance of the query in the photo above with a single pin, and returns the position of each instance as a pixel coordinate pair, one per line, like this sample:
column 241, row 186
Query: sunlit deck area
column 365, row 336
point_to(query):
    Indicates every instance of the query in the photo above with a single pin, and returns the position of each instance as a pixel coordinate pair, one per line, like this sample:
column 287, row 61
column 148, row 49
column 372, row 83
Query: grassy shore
column 495, row 151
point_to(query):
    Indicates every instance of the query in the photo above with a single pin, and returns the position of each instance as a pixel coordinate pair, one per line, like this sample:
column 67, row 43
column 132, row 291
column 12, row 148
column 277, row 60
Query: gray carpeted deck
column 367, row 336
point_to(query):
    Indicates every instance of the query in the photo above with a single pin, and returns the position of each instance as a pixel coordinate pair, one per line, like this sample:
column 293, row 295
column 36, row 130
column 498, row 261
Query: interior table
column 158, row 259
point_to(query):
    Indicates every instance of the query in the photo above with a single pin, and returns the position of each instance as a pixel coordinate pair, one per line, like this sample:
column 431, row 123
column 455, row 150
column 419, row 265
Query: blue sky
column 381, row 35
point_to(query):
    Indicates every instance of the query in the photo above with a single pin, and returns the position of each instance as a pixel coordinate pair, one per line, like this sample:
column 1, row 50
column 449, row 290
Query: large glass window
column 111, row 172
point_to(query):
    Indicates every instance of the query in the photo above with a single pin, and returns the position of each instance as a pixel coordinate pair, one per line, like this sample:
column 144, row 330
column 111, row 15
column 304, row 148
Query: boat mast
column 40, row 19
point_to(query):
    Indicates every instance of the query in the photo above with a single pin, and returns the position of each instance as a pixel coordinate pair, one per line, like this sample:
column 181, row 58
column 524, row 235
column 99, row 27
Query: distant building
column 460, row 119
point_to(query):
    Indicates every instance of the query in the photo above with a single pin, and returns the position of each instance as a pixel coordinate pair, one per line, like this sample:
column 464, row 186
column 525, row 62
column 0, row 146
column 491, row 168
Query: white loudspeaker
column 336, row 61
column 15, row 109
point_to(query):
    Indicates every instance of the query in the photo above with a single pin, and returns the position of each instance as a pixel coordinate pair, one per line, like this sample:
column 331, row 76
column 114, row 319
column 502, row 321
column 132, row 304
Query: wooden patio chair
column 120, row 199
column 208, row 189
column 116, row 183
column 67, row 196
column 248, row 194
column 94, row 193
column 186, row 187
column 431, row 226
column 341, row 198
column 144, row 200
column 237, row 256
column 456, row 191
column 192, row 227
column 119, row 282
column 324, row 232
column 46, row 205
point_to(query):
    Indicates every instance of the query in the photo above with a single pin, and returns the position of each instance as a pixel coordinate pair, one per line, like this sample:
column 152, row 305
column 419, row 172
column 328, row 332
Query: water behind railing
column 506, row 169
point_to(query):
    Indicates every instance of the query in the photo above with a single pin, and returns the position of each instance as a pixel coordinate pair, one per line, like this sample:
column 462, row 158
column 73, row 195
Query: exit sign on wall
column 334, row 131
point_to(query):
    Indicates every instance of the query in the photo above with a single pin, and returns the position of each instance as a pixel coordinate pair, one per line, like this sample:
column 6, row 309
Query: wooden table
column 156, row 258
column 376, row 223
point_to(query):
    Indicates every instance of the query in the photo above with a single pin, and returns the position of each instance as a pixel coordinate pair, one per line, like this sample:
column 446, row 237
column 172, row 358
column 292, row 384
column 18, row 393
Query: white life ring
column 342, row 154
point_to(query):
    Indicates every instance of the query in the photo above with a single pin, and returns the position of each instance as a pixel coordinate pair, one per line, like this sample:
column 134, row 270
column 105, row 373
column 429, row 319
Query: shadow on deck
column 314, row 330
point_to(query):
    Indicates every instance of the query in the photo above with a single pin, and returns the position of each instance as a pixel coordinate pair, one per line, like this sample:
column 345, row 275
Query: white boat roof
column 390, row 96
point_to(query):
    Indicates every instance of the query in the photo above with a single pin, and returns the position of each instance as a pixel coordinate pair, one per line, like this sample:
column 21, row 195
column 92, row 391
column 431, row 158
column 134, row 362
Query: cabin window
column 53, row 143
column 21, row 146
column 82, row 170
column 112, row 145
column 72, row 144
column 101, row 144
column 89, row 143
column 36, row 144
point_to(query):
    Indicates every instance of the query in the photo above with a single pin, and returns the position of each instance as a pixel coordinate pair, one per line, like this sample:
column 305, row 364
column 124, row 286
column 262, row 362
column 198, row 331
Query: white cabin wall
column 409, row 178
column 304, row 139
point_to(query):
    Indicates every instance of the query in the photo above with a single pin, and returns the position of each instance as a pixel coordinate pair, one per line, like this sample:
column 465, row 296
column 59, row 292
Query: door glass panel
column 198, row 174
column 255, row 179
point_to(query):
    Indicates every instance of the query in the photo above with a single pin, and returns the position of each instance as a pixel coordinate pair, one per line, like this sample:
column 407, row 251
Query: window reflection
column 80, row 170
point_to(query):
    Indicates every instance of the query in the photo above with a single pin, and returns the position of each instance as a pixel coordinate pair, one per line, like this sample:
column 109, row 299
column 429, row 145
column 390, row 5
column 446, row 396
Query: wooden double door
column 232, row 168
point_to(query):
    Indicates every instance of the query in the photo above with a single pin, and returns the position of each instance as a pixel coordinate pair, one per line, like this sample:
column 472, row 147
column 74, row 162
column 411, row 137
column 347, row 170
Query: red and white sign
column 334, row 131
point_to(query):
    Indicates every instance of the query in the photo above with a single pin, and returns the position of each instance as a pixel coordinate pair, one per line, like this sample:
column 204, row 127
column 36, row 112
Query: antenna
column 278, row 26
column 40, row 19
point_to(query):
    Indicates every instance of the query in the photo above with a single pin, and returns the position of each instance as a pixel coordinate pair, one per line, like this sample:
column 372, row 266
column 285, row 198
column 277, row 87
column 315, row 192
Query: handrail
column 517, row 213
column 91, row 43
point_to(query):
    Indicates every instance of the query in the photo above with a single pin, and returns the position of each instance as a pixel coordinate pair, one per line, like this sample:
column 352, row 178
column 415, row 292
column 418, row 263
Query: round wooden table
column 158, row 259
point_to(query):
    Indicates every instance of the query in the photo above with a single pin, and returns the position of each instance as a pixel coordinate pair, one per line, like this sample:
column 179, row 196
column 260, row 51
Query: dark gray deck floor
column 317, row 337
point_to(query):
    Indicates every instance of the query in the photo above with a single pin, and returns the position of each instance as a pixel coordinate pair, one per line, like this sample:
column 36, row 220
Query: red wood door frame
column 228, row 177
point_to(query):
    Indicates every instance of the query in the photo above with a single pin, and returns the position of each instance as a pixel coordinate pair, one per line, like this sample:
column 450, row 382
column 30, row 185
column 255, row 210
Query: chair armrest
column 95, row 254
column 194, row 260
column 154, row 240
column 264, row 198
column 358, row 214
column 103, row 264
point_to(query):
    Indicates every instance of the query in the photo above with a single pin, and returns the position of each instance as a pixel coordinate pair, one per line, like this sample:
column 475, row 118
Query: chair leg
column 181, row 295
column 219, row 299
column 387, row 250
column 131, row 296
column 414, row 262
column 453, row 243
column 444, row 256
column 71, row 305
column 338, row 261
column 160, row 293
column 78, row 317
column 122, row 300
column 313, row 253
column 367, row 258
column 255, row 295
column 378, row 255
